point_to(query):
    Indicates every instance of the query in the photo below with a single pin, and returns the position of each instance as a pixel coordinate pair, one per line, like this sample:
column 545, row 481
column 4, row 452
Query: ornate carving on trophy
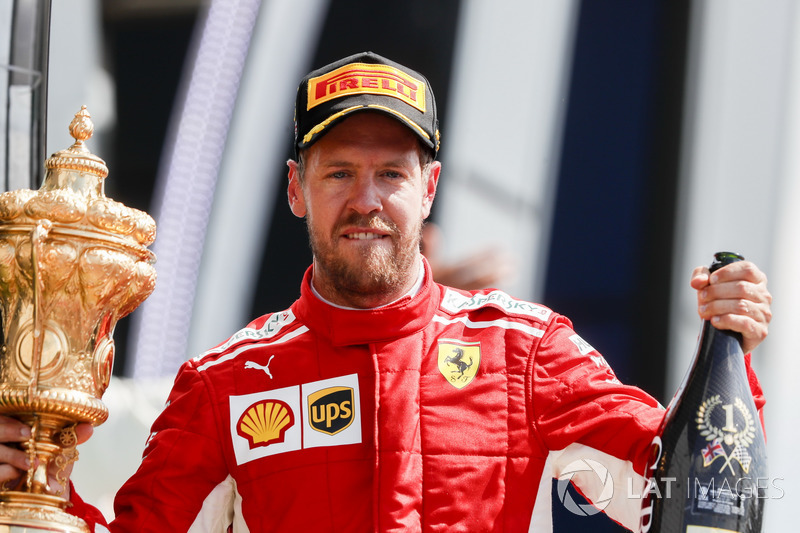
column 72, row 263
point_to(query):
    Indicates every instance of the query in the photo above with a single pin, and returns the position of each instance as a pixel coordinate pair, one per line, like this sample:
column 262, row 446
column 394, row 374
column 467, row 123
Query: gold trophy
column 72, row 263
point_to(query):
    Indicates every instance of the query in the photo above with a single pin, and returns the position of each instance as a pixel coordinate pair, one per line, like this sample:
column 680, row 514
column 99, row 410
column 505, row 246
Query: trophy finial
column 81, row 127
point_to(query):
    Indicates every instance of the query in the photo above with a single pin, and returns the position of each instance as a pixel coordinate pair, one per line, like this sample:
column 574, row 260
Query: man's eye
column 340, row 174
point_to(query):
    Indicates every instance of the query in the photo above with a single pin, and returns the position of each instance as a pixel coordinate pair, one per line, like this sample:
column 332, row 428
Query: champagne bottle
column 708, row 468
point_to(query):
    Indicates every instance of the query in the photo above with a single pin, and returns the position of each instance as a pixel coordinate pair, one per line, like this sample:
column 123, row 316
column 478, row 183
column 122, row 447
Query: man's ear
column 297, row 201
column 434, row 169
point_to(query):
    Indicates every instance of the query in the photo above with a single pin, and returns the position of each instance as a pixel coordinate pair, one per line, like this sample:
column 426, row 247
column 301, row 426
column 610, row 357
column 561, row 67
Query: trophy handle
column 38, row 236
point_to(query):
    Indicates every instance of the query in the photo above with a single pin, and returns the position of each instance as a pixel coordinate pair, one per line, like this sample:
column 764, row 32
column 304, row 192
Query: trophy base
column 22, row 512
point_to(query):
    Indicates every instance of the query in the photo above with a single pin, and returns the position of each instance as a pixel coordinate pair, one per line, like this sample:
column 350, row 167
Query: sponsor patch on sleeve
column 583, row 346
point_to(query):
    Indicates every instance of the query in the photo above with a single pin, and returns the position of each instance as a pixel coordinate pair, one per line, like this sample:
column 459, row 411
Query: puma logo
column 265, row 368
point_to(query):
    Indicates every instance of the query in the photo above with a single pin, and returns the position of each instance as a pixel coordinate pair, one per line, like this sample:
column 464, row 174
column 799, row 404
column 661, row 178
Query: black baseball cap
column 364, row 82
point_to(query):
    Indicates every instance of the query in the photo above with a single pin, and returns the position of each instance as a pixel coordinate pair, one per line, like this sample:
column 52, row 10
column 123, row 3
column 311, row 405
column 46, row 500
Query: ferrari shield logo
column 459, row 361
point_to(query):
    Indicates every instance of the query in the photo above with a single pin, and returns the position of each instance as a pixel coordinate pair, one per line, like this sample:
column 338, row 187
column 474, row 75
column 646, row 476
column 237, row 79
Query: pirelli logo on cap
column 366, row 78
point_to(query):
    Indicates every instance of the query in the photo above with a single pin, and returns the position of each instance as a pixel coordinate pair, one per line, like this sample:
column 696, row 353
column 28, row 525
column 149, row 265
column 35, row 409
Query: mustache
column 367, row 221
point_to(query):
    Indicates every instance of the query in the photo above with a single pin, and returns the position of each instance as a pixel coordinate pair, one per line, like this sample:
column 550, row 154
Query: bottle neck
column 711, row 333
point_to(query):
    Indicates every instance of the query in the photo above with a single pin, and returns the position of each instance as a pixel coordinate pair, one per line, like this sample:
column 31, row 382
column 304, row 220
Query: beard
column 377, row 270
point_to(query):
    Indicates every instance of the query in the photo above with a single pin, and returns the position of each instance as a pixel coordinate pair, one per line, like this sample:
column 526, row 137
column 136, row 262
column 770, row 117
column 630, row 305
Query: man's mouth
column 363, row 236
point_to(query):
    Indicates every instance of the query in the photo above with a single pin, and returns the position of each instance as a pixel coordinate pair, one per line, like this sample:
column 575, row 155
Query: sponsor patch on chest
column 321, row 413
column 459, row 361
column 455, row 302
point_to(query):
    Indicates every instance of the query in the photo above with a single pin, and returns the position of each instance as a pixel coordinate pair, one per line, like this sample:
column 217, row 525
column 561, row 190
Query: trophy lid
column 76, row 166
column 73, row 199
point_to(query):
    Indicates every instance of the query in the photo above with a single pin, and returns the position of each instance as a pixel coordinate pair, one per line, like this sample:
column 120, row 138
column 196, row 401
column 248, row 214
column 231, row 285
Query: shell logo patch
column 366, row 78
column 265, row 422
column 459, row 361
column 331, row 410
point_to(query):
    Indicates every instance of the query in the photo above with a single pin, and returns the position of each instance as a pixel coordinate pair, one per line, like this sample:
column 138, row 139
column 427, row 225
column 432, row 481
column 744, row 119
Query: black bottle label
column 707, row 471
column 728, row 427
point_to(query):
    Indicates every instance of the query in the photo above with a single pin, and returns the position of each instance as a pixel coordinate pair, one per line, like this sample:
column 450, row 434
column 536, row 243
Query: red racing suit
column 446, row 411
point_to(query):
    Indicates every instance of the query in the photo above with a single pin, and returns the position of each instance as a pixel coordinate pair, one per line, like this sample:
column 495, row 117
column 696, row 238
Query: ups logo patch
column 331, row 410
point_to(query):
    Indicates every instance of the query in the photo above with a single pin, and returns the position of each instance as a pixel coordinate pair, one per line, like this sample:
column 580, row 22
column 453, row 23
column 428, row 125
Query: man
column 381, row 400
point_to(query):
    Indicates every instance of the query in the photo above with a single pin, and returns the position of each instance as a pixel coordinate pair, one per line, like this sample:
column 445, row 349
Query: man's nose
column 365, row 196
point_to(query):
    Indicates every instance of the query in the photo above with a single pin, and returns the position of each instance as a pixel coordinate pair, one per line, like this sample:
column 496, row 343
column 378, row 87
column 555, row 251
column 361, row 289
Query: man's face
column 364, row 196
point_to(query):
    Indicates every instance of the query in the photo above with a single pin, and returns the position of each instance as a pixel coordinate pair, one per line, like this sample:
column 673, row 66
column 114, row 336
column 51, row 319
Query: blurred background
column 595, row 151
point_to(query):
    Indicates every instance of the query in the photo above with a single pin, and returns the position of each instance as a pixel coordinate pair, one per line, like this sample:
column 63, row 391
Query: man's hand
column 736, row 298
column 14, row 461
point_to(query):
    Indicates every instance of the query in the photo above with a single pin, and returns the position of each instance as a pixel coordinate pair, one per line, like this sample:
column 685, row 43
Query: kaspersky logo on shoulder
column 321, row 413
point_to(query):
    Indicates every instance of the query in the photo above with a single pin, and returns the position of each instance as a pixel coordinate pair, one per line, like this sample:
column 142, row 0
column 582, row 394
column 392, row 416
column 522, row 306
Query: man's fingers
column 758, row 311
column 736, row 298
column 699, row 277
column 13, row 458
column 740, row 272
column 14, row 461
column 753, row 331
column 8, row 472
column 84, row 431
column 737, row 283
column 12, row 430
